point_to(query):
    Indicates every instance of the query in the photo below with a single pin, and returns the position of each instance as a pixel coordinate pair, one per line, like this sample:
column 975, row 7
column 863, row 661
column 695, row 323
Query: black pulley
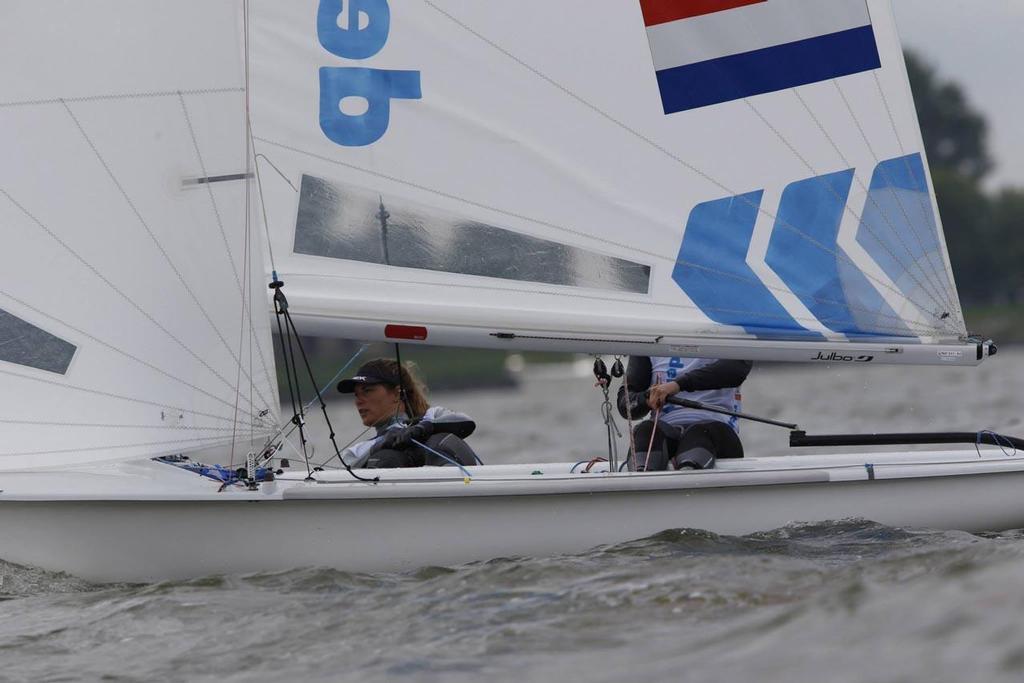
column 617, row 369
column 601, row 371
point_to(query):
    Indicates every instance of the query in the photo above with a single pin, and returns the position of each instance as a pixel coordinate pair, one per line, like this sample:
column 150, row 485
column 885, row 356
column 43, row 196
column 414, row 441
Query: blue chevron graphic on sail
column 898, row 197
column 805, row 254
column 713, row 271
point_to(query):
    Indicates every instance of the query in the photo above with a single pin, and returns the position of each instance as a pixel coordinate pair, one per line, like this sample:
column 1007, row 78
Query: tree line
column 982, row 227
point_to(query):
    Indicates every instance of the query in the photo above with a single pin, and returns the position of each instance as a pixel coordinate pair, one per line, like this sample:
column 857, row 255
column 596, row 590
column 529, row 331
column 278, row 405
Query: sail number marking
column 358, row 30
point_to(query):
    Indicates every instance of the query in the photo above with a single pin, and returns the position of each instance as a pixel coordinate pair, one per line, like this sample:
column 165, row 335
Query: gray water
column 841, row 600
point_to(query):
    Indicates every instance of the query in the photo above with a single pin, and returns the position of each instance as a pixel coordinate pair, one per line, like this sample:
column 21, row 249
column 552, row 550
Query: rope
column 629, row 420
column 998, row 438
column 452, row 461
column 290, row 334
column 290, row 429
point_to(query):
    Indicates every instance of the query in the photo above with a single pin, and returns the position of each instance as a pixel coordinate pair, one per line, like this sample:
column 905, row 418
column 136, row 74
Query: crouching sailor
column 410, row 433
column 678, row 437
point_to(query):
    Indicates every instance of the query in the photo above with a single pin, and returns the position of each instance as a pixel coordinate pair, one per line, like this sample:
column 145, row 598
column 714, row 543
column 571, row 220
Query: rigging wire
column 290, row 340
column 242, row 325
column 286, row 430
column 239, row 280
column 290, row 369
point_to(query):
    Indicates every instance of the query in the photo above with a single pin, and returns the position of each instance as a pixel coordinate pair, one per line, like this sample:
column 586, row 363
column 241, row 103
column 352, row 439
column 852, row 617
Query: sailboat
column 725, row 179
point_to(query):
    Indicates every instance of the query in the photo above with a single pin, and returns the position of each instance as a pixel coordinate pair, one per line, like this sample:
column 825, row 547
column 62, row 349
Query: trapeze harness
column 681, row 437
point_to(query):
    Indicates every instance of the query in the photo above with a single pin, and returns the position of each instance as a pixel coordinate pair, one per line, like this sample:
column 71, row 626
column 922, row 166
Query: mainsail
column 730, row 178
column 132, row 319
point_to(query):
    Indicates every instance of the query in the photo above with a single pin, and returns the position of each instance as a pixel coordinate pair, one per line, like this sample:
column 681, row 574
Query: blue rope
column 338, row 374
column 424, row 446
column 995, row 437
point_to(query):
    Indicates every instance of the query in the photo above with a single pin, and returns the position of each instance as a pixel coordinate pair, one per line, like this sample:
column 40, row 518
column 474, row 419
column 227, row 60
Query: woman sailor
column 410, row 433
column 678, row 437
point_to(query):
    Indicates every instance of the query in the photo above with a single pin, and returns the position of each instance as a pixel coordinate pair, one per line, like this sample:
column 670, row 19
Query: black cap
column 369, row 373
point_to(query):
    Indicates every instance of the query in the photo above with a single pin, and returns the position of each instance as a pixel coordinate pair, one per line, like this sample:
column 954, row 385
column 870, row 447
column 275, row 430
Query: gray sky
column 980, row 45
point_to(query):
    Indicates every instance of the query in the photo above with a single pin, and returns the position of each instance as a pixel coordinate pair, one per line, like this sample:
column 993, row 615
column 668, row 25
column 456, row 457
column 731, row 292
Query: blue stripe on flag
column 768, row 70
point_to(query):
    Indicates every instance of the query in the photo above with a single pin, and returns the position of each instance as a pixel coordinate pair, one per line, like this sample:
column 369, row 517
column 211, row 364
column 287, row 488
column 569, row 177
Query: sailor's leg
column 451, row 446
column 652, row 454
column 702, row 442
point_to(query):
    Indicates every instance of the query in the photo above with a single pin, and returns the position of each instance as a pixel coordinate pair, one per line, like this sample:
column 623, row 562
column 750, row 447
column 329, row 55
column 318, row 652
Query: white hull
column 149, row 521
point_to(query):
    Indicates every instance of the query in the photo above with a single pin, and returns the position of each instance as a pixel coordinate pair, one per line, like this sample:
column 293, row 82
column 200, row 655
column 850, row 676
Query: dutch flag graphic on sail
column 713, row 51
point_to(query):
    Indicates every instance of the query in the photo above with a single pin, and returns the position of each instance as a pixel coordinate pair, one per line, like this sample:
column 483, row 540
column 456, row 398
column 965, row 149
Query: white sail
column 132, row 321
column 636, row 175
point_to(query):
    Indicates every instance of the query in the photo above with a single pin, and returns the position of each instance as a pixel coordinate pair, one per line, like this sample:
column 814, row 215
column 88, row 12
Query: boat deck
column 151, row 480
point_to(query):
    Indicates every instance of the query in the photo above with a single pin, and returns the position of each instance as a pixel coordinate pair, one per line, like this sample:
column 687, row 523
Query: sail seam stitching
column 192, row 428
column 120, row 397
column 938, row 290
column 846, row 204
column 115, row 349
column 120, row 96
column 910, row 171
column 206, row 440
column 935, row 296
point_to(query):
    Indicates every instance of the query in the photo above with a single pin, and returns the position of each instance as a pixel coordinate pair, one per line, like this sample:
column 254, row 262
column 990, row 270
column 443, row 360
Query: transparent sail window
column 25, row 344
column 346, row 222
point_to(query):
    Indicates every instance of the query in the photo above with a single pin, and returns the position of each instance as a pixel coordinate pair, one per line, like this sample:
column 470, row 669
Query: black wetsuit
column 441, row 431
column 704, row 437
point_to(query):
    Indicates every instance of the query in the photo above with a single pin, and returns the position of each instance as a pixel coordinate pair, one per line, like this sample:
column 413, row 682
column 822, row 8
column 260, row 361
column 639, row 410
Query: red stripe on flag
column 663, row 11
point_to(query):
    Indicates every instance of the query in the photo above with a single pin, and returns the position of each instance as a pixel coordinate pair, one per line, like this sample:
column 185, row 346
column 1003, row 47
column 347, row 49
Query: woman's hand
column 657, row 394
column 400, row 438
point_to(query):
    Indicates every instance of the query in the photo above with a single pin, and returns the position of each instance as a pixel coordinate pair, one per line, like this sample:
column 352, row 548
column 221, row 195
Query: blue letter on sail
column 353, row 42
column 377, row 87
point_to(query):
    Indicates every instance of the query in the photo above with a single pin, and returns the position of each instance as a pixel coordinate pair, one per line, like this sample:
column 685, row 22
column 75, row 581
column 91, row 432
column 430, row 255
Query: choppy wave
column 839, row 601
